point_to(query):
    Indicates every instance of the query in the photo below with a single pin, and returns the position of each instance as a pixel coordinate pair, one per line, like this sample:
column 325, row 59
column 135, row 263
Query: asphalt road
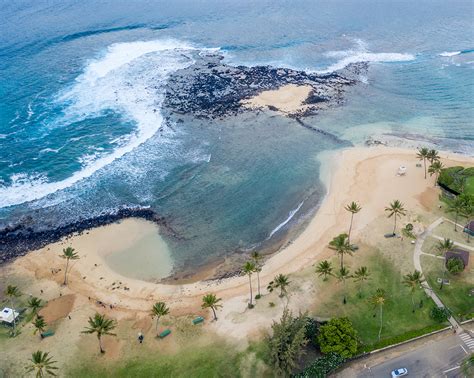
column 435, row 359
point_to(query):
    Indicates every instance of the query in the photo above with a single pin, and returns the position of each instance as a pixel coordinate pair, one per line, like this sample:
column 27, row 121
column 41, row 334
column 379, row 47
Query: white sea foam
column 282, row 224
column 450, row 53
column 358, row 57
column 128, row 78
column 360, row 53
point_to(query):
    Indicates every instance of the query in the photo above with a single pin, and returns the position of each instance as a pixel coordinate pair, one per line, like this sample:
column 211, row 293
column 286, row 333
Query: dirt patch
column 429, row 198
column 58, row 308
column 142, row 324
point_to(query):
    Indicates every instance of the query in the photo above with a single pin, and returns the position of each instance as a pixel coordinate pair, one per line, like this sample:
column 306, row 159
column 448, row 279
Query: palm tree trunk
column 395, row 224
column 100, row 344
column 157, row 320
column 456, row 221
column 214, row 311
column 424, row 162
column 350, row 229
column 342, row 260
column 258, row 282
column 413, row 301
column 381, row 322
column 65, row 272
column 250, row 283
column 344, row 300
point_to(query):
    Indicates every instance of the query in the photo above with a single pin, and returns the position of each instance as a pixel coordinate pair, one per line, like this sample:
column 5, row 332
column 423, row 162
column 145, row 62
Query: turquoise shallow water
column 78, row 136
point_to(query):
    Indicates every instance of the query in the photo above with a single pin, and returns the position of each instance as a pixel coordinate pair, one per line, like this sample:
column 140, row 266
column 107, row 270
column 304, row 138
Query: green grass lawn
column 455, row 295
column 398, row 316
column 216, row 360
column 469, row 185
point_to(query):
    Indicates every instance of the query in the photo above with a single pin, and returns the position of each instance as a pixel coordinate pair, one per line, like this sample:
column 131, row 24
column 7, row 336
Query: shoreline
column 357, row 171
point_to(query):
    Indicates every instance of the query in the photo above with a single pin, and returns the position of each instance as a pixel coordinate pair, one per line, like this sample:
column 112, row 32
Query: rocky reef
column 211, row 89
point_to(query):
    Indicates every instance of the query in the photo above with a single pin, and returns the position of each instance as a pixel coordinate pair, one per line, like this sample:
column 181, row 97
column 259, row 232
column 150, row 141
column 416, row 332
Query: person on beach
column 140, row 337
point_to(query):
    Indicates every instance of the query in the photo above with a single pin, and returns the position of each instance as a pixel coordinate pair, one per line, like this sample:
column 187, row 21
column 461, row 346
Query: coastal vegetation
column 101, row 326
column 352, row 208
column 158, row 310
column 211, row 301
column 396, row 210
column 248, row 269
column 68, row 254
column 42, row 364
column 341, row 245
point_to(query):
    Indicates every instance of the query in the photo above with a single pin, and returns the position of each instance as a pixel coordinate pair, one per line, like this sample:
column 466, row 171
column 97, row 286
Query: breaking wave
column 128, row 78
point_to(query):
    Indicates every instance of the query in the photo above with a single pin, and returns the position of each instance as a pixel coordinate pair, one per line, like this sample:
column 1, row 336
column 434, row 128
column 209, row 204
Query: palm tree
column 41, row 363
column 68, row 254
column 379, row 299
column 159, row 309
column 281, row 281
column 101, row 326
column 324, row 268
column 342, row 246
column 39, row 324
column 342, row 275
column 249, row 269
column 361, row 275
column 13, row 292
column 257, row 257
column 34, row 304
column 433, row 156
column 457, row 206
column 423, row 154
column 413, row 281
column 353, row 208
column 212, row 302
column 444, row 246
column 396, row 210
column 435, row 169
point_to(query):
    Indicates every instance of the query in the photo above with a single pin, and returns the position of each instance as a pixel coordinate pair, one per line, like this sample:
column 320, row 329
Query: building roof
column 459, row 253
column 7, row 315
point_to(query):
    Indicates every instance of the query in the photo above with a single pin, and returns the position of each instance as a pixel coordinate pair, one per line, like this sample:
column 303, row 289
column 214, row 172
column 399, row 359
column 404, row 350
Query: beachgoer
column 140, row 337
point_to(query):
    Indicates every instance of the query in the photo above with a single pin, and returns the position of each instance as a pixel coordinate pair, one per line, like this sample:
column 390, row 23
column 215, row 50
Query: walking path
column 455, row 243
column 416, row 261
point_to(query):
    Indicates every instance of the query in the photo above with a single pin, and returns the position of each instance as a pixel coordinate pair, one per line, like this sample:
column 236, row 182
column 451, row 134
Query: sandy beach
column 366, row 175
column 286, row 99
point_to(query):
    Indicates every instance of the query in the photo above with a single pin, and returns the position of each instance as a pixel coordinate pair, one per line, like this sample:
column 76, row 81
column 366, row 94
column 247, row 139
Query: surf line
column 291, row 214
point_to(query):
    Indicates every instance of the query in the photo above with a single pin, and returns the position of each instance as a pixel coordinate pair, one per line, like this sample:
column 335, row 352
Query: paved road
column 440, row 358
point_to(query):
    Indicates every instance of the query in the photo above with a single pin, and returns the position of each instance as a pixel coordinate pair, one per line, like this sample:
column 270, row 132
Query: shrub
column 322, row 366
column 312, row 329
column 455, row 265
column 286, row 344
column 439, row 314
column 338, row 336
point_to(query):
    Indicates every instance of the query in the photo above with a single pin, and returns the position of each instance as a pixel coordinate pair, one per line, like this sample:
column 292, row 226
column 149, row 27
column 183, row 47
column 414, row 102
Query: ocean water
column 82, row 132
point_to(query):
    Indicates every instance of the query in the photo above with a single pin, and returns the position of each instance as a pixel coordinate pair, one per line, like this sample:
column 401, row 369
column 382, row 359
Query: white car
column 399, row 372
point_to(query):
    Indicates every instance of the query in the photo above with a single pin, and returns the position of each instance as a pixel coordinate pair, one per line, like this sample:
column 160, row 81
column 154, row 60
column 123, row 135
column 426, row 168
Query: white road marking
column 465, row 351
column 454, row 368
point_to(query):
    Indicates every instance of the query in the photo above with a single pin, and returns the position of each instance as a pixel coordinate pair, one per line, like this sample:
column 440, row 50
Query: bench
column 48, row 333
column 165, row 333
column 198, row 320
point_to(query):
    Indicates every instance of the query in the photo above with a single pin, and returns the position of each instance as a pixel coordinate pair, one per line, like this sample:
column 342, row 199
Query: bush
column 338, row 336
column 322, row 366
column 439, row 314
column 312, row 330
column 454, row 265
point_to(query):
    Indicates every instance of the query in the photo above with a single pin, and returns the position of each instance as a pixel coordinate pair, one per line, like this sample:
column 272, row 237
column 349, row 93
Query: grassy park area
column 455, row 295
column 398, row 315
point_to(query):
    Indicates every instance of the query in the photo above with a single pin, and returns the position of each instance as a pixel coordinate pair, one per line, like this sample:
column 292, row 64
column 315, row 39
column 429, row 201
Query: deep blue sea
column 79, row 137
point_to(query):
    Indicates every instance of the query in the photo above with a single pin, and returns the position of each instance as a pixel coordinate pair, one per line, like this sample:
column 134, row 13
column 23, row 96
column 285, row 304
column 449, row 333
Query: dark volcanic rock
column 19, row 239
column 210, row 88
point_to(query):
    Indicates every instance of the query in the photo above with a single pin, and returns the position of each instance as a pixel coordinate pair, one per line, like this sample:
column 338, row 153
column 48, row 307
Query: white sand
column 287, row 99
column 366, row 175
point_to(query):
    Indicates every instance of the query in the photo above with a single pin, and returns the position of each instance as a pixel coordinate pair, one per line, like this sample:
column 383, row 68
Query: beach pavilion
column 8, row 315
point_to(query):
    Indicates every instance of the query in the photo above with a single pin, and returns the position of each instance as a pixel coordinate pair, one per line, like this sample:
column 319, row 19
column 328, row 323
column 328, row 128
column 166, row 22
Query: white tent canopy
column 7, row 315
column 402, row 170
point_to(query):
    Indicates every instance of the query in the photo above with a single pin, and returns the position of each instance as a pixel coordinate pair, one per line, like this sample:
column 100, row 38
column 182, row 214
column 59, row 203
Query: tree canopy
column 338, row 336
